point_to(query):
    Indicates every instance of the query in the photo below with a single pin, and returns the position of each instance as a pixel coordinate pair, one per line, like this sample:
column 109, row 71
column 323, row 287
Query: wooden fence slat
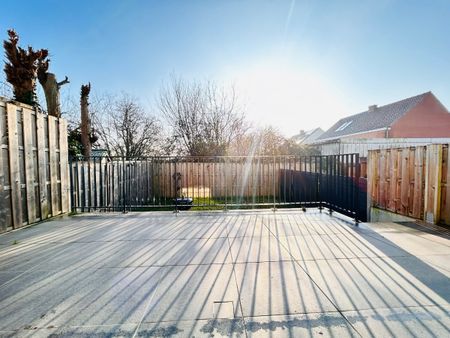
column 14, row 167
column 411, row 171
column 53, row 146
column 29, row 166
column 64, row 166
column 391, row 180
column 433, row 180
column 5, row 207
column 445, row 192
column 41, row 145
column 405, row 184
column 419, row 186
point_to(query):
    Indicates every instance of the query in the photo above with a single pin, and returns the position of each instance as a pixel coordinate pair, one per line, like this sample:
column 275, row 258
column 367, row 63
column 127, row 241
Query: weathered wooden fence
column 34, row 171
column 411, row 181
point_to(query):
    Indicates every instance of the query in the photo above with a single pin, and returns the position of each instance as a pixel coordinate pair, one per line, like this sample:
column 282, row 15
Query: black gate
column 166, row 183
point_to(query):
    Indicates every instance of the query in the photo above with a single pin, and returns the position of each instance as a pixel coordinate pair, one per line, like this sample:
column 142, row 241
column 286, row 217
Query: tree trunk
column 85, row 120
column 51, row 91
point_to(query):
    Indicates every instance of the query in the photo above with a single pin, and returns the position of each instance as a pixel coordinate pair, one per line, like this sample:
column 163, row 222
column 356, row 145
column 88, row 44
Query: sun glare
column 290, row 98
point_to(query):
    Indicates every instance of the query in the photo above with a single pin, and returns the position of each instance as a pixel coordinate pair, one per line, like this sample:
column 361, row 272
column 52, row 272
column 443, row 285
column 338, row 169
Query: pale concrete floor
column 247, row 274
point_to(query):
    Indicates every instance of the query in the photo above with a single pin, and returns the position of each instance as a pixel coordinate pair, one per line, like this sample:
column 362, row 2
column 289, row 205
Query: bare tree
column 21, row 68
column 204, row 117
column 126, row 129
column 269, row 141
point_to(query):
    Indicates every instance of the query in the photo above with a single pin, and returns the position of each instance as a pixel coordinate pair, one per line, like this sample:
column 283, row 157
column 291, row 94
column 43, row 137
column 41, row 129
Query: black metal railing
column 224, row 182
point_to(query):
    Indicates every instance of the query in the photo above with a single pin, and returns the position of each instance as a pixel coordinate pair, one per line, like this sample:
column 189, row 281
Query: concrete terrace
column 242, row 274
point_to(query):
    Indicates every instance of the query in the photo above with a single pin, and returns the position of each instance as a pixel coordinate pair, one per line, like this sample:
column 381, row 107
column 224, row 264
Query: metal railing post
column 123, row 185
column 273, row 181
column 175, row 176
column 226, row 185
column 356, row 191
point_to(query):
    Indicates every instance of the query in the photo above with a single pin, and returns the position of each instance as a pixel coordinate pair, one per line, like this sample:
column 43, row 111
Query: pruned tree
column 21, row 68
column 204, row 117
column 85, row 127
column 51, row 86
column 126, row 129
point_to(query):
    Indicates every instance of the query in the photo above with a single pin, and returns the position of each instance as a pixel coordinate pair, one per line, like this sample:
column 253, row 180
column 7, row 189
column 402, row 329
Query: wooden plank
column 41, row 145
column 393, row 178
column 370, row 179
column 14, row 167
column 405, row 183
column 411, row 167
column 432, row 183
column 376, row 176
column 382, row 166
column 419, row 182
column 445, row 184
column 64, row 166
column 53, row 146
column 29, row 165
column 437, row 192
column 5, row 205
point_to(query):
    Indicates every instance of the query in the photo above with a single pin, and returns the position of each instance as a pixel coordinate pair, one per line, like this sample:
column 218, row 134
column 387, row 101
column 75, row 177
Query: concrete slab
column 440, row 263
column 417, row 245
column 258, row 249
column 329, row 324
column 247, row 226
column 74, row 298
column 430, row 321
column 201, row 251
column 239, row 274
column 192, row 292
column 193, row 328
column 312, row 247
column 379, row 282
column 278, row 288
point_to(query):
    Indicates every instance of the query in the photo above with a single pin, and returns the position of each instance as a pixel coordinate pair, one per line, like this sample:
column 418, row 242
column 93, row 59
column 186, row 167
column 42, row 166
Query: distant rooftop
column 309, row 136
column 372, row 119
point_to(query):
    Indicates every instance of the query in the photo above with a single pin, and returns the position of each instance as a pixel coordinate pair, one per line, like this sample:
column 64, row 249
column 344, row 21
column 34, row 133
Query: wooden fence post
column 14, row 166
column 64, row 166
column 432, row 183
column 445, row 188
column 5, row 204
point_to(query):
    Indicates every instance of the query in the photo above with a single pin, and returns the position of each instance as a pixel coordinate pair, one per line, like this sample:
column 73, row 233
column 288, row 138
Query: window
column 344, row 125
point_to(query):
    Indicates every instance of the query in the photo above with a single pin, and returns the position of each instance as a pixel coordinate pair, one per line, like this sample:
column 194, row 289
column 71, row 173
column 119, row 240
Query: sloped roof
column 380, row 117
column 308, row 136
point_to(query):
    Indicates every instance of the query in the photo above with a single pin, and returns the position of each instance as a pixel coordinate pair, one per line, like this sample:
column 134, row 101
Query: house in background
column 308, row 137
column 418, row 120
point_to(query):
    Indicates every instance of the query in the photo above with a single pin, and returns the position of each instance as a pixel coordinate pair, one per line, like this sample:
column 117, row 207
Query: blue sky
column 295, row 64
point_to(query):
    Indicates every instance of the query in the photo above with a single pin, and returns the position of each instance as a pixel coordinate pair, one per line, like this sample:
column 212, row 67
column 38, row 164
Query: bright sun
column 287, row 97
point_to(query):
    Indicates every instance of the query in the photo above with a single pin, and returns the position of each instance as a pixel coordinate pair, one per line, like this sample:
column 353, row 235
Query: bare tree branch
column 204, row 118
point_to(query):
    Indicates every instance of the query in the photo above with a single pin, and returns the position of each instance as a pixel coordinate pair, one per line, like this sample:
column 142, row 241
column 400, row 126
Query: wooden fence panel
column 33, row 166
column 411, row 181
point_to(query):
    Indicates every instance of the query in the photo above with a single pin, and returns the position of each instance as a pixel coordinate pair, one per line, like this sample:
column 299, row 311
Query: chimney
column 372, row 108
